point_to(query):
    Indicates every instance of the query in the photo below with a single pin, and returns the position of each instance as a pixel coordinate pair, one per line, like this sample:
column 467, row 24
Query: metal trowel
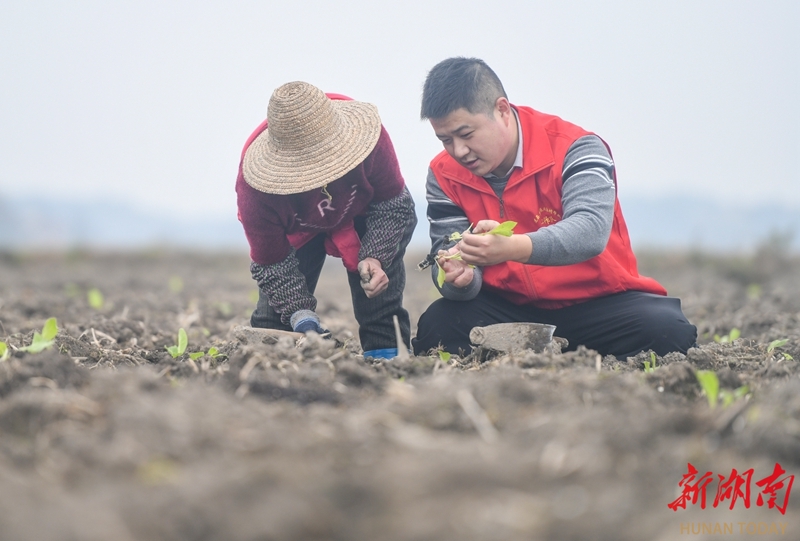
column 510, row 337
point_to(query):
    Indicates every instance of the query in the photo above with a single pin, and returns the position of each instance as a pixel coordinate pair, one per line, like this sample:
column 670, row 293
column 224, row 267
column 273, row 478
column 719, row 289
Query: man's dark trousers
column 622, row 324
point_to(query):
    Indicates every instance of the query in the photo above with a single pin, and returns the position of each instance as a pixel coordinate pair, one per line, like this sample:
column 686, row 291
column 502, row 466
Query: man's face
column 483, row 144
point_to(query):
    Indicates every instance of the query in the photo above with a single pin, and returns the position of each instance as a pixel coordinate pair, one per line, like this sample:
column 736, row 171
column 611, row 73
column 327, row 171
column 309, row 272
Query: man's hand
column 373, row 280
column 486, row 250
column 456, row 272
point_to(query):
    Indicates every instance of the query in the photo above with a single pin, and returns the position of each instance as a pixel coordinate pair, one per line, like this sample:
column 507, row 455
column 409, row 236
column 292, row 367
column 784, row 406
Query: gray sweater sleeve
column 588, row 196
column 445, row 218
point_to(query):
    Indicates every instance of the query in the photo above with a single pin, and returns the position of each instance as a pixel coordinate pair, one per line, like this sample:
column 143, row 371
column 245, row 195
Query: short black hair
column 457, row 83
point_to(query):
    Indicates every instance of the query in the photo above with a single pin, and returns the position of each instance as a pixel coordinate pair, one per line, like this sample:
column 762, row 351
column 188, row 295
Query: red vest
column 532, row 198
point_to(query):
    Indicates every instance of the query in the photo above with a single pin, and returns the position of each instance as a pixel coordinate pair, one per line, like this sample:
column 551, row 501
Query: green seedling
column 444, row 356
column 175, row 284
column 95, row 298
column 650, row 366
column 45, row 339
column 180, row 348
column 505, row 229
column 729, row 397
column 728, row 338
column 3, row 351
column 775, row 344
column 754, row 291
column 710, row 383
column 212, row 352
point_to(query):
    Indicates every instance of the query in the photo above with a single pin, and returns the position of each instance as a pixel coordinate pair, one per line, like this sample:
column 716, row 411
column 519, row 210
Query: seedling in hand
column 441, row 276
column 45, row 339
column 505, row 229
column 180, row 348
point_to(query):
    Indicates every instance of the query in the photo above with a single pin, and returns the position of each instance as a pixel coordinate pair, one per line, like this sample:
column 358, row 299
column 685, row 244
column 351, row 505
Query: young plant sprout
column 45, row 339
column 775, row 344
column 212, row 352
column 729, row 397
column 180, row 348
column 710, row 383
column 728, row 338
column 3, row 351
column 650, row 366
column 175, row 284
column 95, row 298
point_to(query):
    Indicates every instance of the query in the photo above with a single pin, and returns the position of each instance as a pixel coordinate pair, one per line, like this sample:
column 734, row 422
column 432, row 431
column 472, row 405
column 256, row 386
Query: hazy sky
column 151, row 102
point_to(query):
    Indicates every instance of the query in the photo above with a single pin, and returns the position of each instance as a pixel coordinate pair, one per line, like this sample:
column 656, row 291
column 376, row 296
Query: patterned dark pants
column 374, row 316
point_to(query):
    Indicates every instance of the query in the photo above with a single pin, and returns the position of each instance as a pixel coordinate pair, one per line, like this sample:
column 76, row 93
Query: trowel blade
column 513, row 336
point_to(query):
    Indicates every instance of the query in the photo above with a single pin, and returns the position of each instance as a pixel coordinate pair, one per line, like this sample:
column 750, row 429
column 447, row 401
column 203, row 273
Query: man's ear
column 503, row 108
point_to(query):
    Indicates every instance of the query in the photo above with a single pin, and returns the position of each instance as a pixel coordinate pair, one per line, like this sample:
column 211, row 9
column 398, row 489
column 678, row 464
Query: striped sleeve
column 387, row 222
column 285, row 286
column 446, row 218
column 588, row 196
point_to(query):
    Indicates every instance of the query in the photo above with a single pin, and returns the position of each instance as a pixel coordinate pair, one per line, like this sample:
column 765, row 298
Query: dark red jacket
column 532, row 198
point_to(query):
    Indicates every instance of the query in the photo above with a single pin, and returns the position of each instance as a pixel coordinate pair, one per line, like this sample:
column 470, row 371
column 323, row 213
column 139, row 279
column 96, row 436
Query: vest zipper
column 502, row 208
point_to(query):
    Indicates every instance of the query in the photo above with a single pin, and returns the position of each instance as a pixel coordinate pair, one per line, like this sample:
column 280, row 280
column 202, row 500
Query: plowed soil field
column 106, row 436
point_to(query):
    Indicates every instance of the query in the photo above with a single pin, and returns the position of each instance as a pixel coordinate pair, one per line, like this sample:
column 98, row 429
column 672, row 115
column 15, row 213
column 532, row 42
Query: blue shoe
column 388, row 353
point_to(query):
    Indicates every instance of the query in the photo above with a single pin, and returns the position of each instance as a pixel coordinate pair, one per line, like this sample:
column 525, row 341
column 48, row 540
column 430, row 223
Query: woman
column 319, row 177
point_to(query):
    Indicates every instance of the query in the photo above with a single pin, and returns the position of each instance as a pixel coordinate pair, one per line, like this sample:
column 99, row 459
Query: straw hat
column 311, row 140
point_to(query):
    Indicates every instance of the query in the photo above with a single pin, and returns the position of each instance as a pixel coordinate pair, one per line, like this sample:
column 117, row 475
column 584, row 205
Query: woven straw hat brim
column 280, row 171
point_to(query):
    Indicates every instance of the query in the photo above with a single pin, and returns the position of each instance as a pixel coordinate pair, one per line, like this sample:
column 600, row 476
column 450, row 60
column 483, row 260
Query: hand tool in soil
column 513, row 337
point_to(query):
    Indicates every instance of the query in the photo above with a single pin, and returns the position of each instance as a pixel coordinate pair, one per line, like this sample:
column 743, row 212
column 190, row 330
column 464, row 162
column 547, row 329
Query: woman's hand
column 373, row 279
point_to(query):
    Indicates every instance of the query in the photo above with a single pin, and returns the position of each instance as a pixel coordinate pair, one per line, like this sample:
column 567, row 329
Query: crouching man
column 569, row 262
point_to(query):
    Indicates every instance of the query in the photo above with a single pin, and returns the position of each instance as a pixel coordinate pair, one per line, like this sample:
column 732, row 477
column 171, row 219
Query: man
column 319, row 177
column 569, row 262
